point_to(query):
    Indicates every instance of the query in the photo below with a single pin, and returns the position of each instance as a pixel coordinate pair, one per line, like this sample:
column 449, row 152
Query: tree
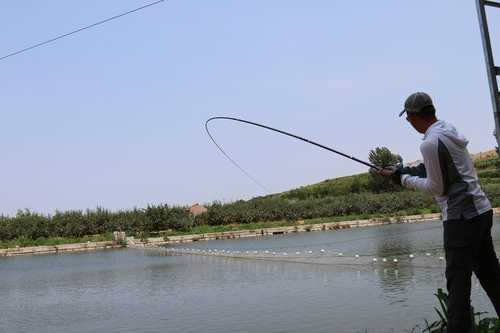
column 382, row 157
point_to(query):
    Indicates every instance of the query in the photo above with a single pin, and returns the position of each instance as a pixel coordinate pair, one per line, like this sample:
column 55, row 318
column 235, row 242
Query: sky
column 114, row 116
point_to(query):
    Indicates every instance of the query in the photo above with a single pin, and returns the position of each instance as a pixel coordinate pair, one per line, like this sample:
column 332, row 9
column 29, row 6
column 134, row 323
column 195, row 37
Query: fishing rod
column 278, row 131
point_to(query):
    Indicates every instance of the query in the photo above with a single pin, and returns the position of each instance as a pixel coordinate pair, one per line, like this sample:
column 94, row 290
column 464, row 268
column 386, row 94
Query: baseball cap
column 416, row 102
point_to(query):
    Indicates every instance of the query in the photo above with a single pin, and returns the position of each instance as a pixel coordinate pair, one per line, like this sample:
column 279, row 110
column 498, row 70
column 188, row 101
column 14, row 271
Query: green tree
column 382, row 157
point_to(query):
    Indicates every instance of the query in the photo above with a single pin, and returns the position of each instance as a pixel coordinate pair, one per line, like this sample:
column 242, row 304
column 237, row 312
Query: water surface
column 149, row 291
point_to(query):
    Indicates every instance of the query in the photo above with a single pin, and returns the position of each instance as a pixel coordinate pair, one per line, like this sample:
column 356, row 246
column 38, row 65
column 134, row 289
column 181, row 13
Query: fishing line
column 404, row 259
column 280, row 132
column 343, row 241
column 326, row 255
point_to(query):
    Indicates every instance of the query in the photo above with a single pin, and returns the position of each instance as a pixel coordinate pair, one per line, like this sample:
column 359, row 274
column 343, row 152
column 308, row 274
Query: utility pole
column 492, row 70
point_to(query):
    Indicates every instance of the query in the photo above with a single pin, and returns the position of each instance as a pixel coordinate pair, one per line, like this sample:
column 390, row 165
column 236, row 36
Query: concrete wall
column 63, row 248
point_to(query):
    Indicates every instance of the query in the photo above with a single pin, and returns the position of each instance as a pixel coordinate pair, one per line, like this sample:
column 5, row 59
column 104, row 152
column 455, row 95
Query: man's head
column 420, row 111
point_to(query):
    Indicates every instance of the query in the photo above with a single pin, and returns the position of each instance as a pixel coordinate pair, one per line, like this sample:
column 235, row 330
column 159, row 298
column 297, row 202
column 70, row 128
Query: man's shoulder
column 438, row 132
column 428, row 146
column 430, row 141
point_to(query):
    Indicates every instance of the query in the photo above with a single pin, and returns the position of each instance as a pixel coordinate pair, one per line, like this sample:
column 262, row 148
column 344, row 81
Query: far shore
column 257, row 230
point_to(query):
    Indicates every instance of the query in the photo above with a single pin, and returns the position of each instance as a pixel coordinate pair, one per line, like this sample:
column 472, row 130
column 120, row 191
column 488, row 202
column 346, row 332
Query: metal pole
column 492, row 70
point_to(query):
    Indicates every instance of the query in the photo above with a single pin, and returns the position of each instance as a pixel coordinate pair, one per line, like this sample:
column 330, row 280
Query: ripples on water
column 148, row 291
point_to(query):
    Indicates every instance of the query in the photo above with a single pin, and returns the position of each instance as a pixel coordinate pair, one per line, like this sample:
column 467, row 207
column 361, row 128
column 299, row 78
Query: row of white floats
column 274, row 253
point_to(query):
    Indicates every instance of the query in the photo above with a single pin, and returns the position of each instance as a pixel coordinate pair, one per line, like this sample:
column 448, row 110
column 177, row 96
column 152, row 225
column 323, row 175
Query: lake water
column 290, row 291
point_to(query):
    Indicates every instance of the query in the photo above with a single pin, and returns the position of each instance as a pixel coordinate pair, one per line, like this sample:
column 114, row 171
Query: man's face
column 416, row 122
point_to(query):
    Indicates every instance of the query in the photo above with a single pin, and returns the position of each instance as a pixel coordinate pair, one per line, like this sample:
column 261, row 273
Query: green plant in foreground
column 485, row 325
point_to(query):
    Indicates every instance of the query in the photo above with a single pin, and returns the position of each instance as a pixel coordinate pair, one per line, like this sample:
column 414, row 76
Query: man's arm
column 395, row 172
column 418, row 171
column 433, row 182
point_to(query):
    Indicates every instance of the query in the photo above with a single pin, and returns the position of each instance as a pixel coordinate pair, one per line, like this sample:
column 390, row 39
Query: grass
column 479, row 325
column 25, row 242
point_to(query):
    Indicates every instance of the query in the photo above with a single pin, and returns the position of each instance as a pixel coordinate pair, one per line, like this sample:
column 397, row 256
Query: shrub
column 382, row 157
column 485, row 164
column 485, row 325
column 489, row 174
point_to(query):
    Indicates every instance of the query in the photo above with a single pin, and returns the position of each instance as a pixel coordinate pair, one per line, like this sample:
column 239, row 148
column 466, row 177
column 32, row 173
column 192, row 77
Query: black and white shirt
column 449, row 174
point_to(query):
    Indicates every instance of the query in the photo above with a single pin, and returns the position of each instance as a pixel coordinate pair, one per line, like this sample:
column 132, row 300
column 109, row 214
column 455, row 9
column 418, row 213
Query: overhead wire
column 12, row 54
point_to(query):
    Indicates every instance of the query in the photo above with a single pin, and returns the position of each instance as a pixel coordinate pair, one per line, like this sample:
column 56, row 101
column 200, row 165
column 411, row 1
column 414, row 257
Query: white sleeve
column 433, row 184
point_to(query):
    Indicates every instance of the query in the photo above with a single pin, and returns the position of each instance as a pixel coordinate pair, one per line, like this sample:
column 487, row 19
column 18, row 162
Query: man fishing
column 448, row 174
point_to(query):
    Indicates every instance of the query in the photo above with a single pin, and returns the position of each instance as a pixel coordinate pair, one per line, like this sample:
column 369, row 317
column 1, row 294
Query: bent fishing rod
column 280, row 132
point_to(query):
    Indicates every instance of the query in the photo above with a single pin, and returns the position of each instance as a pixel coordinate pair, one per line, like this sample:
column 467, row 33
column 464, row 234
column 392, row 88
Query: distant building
column 197, row 209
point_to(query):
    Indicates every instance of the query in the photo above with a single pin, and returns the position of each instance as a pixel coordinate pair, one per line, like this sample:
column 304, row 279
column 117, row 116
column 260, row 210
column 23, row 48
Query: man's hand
column 393, row 172
column 387, row 171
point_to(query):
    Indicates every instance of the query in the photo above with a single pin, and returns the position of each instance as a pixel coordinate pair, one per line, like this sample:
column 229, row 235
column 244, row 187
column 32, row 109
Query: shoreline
column 372, row 222
column 131, row 242
column 326, row 226
column 56, row 249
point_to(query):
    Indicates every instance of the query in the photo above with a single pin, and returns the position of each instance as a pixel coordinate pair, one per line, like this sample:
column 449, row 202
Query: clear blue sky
column 114, row 116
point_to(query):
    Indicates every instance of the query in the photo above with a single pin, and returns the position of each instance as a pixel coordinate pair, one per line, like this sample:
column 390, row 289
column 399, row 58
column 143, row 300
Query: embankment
column 158, row 241
column 136, row 243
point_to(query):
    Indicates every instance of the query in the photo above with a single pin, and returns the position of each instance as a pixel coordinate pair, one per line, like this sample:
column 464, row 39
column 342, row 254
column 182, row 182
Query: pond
column 314, row 282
